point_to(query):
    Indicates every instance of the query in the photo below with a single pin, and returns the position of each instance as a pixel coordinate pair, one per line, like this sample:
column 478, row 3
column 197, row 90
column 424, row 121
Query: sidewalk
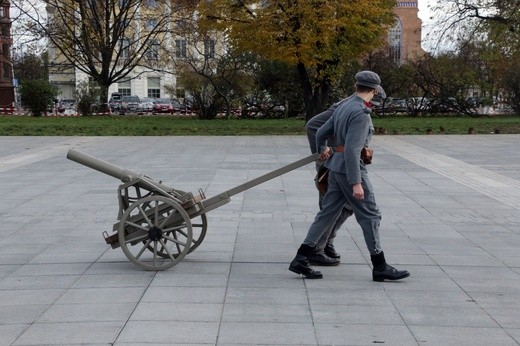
column 451, row 217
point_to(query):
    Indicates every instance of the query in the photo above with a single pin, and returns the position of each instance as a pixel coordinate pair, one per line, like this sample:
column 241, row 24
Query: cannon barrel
column 122, row 174
column 125, row 175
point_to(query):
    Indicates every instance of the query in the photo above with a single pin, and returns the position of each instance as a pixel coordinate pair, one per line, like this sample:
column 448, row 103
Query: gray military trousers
column 331, row 232
column 338, row 194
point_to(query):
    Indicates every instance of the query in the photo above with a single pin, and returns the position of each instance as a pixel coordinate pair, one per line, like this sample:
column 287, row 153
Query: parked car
column 162, row 105
column 115, row 102
column 129, row 104
column 177, row 107
column 418, row 104
column 66, row 104
column 473, row 102
column 146, row 105
column 448, row 105
column 392, row 106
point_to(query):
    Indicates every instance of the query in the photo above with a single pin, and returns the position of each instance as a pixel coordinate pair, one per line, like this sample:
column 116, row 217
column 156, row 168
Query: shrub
column 87, row 95
column 38, row 96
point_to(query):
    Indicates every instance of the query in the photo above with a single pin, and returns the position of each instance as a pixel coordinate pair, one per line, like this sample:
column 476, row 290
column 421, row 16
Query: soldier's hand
column 325, row 154
column 358, row 192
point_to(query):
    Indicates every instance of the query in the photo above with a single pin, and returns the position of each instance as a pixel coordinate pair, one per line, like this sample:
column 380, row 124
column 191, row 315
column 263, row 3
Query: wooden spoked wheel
column 155, row 233
column 199, row 225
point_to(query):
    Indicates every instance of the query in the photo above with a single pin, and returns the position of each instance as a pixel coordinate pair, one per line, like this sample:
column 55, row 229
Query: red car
column 162, row 105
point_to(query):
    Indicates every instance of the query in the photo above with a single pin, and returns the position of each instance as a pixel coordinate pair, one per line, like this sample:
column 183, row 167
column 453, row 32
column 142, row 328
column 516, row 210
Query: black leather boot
column 300, row 264
column 331, row 252
column 382, row 271
column 319, row 259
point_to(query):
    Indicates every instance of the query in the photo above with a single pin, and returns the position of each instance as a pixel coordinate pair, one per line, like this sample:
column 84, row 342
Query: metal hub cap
column 155, row 234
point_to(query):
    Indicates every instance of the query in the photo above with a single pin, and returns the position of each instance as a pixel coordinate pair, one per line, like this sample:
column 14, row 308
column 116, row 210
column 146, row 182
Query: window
column 151, row 24
column 151, row 3
column 154, row 87
column 124, row 46
column 180, row 48
column 124, row 87
column 152, row 52
column 209, row 48
column 7, row 70
column 394, row 41
column 5, row 50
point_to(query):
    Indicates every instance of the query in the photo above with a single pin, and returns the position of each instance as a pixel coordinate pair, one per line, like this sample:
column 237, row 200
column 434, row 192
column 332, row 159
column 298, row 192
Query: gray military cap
column 380, row 92
column 368, row 78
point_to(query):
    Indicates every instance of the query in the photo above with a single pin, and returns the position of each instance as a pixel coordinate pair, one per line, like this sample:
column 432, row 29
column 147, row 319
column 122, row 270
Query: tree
column 447, row 80
column 317, row 37
column 397, row 78
column 86, row 94
column 37, row 95
column 105, row 39
column 465, row 20
column 210, row 62
column 202, row 91
column 30, row 67
column 280, row 83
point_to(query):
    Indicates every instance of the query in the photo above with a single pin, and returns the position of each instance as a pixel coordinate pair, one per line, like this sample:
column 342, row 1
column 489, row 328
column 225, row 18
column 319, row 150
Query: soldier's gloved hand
column 325, row 154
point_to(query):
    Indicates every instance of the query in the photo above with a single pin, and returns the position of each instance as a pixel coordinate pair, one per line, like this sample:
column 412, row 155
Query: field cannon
column 157, row 225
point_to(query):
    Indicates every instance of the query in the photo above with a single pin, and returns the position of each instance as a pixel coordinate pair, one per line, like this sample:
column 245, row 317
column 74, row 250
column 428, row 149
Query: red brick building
column 6, row 67
column 405, row 37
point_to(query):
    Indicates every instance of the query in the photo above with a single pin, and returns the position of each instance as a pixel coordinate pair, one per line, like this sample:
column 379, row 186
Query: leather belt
column 339, row 149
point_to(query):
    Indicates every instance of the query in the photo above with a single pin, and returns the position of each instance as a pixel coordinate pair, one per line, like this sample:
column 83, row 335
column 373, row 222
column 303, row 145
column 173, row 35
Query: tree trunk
column 103, row 97
column 303, row 76
column 315, row 98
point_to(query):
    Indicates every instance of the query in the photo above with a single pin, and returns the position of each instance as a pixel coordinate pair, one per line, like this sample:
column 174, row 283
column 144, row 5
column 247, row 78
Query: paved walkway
column 450, row 216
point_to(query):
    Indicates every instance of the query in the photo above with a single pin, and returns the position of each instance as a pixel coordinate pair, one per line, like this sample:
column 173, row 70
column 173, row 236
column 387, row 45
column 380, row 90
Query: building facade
column 6, row 64
column 141, row 81
column 404, row 44
column 404, row 39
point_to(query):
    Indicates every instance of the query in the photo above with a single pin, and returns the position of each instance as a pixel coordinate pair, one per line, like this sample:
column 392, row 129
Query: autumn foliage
column 319, row 37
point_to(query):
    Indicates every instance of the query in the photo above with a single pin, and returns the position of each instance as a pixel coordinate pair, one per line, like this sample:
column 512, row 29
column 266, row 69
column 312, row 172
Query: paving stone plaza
column 451, row 217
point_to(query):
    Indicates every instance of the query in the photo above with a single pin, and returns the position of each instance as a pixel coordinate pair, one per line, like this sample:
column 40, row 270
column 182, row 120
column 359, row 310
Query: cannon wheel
column 200, row 226
column 158, row 224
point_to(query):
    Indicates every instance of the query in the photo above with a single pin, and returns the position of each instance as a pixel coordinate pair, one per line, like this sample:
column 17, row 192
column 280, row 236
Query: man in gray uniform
column 351, row 126
column 325, row 254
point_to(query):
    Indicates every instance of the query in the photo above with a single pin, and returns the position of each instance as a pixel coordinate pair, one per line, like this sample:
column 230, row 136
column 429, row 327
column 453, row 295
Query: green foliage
column 202, row 91
column 318, row 37
column 511, row 84
column 38, row 96
column 86, row 95
column 219, row 82
column 446, row 75
column 280, row 82
column 30, row 67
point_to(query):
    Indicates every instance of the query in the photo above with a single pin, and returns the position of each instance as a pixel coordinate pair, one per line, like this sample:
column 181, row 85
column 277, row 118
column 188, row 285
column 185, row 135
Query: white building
column 140, row 81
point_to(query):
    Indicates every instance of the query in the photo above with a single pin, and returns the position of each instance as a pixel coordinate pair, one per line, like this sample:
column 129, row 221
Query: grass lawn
column 182, row 126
